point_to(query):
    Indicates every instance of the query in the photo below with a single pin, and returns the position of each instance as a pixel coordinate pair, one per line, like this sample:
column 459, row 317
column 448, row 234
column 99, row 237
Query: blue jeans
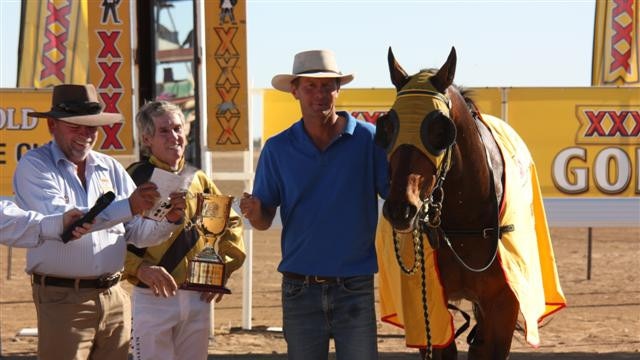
column 344, row 311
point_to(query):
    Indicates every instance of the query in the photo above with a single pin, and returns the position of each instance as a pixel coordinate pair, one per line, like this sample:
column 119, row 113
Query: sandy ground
column 602, row 320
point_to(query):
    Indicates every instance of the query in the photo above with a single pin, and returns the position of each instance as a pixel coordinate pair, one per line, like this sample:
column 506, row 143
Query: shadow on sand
column 462, row 355
column 406, row 356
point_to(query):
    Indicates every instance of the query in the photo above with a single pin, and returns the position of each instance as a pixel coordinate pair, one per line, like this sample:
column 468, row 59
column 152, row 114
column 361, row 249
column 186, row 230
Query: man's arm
column 29, row 229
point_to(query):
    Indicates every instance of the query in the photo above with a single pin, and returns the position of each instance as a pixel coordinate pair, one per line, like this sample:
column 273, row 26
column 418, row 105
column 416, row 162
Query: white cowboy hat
column 78, row 104
column 312, row 63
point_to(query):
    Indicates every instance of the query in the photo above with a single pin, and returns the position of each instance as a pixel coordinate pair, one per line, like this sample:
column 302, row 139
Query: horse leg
column 496, row 318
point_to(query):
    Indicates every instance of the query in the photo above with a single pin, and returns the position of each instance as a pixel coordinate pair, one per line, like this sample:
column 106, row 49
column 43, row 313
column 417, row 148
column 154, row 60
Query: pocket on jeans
column 291, row 290
column 358, row 285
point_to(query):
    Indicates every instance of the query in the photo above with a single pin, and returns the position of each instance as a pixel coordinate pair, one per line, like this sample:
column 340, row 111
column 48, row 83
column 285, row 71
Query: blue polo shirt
column 328, row 199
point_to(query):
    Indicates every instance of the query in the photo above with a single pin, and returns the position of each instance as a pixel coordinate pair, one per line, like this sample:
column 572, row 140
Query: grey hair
column 144, row 120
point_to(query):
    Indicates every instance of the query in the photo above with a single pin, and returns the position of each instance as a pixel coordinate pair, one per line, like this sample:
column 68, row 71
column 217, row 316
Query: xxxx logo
column 368, row 116
column 621, row 46
column 54, row 52
column 608, row 124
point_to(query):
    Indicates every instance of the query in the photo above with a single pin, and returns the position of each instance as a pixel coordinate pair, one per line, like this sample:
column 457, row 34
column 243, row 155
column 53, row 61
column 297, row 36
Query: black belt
column 104, row 282
column 313, row 279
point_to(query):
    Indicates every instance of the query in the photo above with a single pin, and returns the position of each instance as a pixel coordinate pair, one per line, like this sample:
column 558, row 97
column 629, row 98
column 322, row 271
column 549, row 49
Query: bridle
column 428, row 219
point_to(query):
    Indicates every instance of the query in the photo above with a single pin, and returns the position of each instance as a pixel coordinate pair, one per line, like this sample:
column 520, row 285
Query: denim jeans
column 344, row 311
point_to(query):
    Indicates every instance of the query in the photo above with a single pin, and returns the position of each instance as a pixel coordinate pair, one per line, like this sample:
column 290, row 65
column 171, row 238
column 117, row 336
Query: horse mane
column 467, row 95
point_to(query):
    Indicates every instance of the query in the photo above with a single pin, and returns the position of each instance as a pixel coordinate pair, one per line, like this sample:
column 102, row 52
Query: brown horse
column 439, row 146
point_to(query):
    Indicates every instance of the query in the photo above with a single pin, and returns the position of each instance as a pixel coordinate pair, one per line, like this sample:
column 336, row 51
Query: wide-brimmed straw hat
column 312, row 63
column 78, row 104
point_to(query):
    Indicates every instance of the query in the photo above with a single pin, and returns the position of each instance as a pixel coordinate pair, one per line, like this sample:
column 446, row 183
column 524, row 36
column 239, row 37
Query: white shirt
column 45, row 181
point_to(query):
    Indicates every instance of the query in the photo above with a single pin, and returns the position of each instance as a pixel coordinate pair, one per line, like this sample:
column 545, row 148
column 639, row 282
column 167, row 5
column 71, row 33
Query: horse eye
column 387, row 127
column 437, row 132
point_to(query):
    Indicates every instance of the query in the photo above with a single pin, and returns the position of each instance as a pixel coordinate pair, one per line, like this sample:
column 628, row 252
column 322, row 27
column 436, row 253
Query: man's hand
column 251, row 208
column 178, row 204
column 69, row 218
column 143, row 198
column 157, row 279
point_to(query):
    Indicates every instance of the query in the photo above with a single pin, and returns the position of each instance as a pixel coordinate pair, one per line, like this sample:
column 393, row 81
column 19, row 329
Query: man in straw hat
column 325, row 173
column 83, row 313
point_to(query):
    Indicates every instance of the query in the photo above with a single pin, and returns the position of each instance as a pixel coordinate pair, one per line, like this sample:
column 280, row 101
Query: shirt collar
column 158, row 163
column 91, row 160
column 349, row 127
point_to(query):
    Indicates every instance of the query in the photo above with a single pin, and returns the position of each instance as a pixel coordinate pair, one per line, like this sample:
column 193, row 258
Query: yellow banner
column 110, row 70
column 226, row 62
column 54, row 43
column 281, row 110
column 616, row 43
column 585, row 141
column 20, row 133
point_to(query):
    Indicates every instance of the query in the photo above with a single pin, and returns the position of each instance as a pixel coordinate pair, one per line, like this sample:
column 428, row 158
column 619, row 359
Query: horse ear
column 444, row 78
column 399, row 77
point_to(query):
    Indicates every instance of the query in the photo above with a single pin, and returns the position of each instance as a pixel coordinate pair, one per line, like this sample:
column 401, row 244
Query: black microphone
column 102, row 202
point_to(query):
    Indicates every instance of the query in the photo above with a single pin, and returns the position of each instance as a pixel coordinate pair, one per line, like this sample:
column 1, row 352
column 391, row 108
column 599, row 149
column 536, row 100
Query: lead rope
column 431, row 209
column 417, row 260
column 425, row 306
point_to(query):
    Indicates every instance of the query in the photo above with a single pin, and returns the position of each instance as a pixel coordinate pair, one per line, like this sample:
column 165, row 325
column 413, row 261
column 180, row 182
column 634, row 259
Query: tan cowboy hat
column 78, row 104
column 312, row 63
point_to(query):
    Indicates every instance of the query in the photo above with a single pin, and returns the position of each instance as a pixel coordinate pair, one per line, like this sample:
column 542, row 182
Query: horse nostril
column 400, row 212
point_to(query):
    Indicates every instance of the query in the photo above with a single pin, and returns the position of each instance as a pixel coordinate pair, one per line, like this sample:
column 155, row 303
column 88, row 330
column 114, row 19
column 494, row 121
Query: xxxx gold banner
column 110, row 70
column 226, row 62
column 281, row 110
column 585, row 141
column 20, row 133
column 616, row 43
column 54, row 48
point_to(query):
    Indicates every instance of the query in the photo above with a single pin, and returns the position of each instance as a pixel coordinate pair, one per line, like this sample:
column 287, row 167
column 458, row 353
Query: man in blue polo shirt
column 325, row 173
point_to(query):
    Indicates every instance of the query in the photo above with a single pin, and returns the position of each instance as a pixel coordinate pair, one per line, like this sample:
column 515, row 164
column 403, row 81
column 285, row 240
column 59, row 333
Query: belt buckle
column 108, row 281
column 318, row 280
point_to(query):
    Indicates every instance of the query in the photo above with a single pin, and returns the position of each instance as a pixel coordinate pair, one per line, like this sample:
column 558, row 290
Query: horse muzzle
column 400, row 214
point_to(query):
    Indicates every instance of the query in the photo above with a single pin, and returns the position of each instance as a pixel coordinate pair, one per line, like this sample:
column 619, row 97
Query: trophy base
column 205, row 288
column 206, row 273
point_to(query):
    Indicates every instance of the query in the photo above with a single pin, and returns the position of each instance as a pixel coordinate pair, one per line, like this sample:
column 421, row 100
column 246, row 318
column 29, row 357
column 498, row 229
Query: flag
column 227, row 86
column 53, row 43
column 616, row 45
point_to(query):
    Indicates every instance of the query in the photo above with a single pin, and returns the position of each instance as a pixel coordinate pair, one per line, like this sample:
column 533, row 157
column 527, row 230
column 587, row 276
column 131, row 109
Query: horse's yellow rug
column 526, row 256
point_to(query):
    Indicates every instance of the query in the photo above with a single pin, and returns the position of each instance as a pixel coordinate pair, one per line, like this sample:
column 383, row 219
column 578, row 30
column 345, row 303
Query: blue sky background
column 499, row 43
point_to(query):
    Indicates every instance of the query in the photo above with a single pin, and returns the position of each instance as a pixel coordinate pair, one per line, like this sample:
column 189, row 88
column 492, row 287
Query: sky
column 499, row 43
